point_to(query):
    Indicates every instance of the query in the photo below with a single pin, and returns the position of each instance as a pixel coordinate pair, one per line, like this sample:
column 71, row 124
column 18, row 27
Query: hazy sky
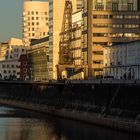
column 10, row 19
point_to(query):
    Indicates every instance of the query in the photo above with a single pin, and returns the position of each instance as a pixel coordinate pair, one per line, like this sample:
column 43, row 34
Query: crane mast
column 65, row 53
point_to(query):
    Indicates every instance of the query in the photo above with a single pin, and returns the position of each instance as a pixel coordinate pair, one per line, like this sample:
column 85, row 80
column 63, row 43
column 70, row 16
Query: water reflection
column 51, row 128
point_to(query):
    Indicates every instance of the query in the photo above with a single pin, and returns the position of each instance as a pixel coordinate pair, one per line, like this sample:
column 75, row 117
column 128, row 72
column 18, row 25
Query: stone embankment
column 91, row 118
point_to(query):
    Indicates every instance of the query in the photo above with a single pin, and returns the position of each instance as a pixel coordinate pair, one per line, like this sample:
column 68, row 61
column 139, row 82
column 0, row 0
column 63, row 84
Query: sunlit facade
column 9, row 59
column 56, row 10
column 35, row 20
column 76, row 38
column 107, row 23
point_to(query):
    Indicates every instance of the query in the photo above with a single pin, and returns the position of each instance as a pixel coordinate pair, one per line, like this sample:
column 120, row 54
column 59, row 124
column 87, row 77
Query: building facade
column 56, row 11
column 35, row 20
column 3, row 49
column 70, row 48
column 9, row 61
column 107, row 23
column 76, row 41
column 123, row 61
column 38, row 59
column 23, row 67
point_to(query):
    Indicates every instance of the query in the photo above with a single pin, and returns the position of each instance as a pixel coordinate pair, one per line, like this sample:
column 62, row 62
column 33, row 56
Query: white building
column 35, row 20
column 123, row 61
column 56, row 10
column 9, row 65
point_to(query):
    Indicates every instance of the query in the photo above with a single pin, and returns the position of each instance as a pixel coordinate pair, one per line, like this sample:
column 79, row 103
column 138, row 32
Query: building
column 38, row 59
column 107, row 23
column 79, row 71
column 35, row 20
column 23, row 67
column 3, row 49
column 56, row 11
column 79, row 4
column 76, row 41
column 73, row 36
column 70, row 48
column 123, row 61
column 9, row 61
column 6, row 46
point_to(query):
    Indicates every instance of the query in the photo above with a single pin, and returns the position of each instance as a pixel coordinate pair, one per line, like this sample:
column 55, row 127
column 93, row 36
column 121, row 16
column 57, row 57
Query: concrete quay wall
column 91, row 118
column 113, row 104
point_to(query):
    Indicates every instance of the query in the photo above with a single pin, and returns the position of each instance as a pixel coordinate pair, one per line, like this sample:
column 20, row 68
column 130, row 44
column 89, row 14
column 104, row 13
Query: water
column 21, row 125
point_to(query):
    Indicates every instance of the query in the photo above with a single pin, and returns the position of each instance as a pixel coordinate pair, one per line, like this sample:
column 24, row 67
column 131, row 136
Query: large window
column 99, row 6
column 115, row 5
column 130, row 6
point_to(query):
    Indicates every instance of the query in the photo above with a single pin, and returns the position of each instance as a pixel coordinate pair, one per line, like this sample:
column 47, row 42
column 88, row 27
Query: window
column 98, row 52
column 5, row 71
column 98, row 62
column 47, row 58
column 25, row 70
column 24, row 63
column 12, row 66
column 130, row 6
column 114, row 6
column 99, row 6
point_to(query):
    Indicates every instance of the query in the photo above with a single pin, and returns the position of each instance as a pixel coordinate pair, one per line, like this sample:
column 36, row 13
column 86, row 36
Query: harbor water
column 18, row 124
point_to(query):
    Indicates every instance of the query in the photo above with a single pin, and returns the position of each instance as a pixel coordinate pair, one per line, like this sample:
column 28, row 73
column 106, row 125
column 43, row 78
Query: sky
column 11, row 19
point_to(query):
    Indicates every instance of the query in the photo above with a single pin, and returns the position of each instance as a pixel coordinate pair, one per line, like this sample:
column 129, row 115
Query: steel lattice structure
column 65, row 54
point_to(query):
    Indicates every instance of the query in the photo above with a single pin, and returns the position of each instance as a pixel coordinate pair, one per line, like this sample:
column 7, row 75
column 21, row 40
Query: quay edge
column 109, row 104
column 91, row 118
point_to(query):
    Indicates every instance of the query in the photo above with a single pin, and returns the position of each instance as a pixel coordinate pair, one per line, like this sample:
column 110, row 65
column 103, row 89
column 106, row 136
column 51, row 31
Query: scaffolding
column 65, row 53
column 66, row 50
